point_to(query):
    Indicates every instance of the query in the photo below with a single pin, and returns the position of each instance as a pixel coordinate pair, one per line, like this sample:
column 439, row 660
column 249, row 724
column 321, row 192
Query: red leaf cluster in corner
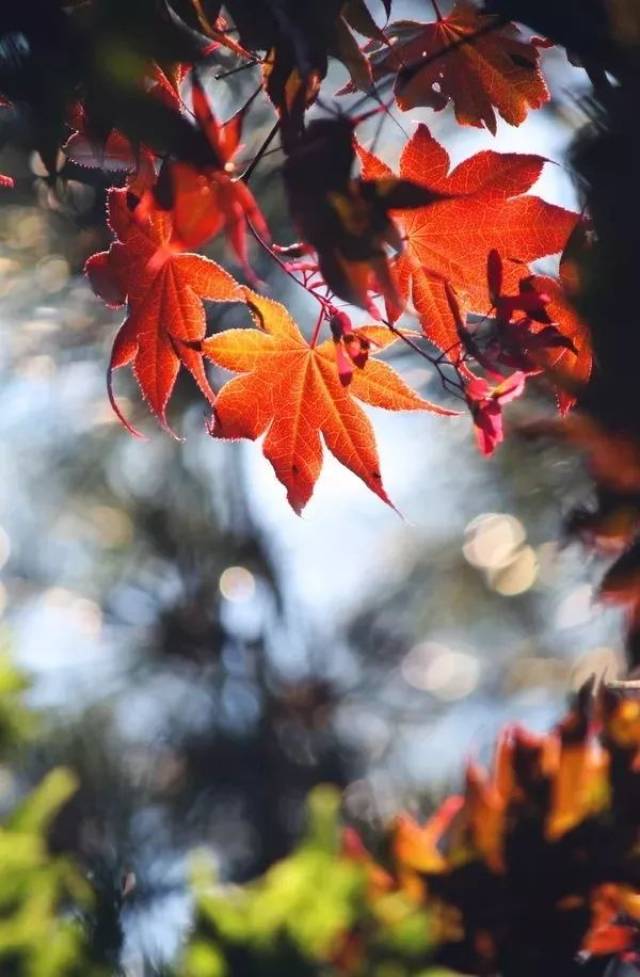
column 534, row 861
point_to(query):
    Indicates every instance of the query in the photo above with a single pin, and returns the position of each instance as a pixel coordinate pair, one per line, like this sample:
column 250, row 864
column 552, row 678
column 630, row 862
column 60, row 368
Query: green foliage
column 16, row 722
column 41, row 894
column 312, row 913
column 288, row 921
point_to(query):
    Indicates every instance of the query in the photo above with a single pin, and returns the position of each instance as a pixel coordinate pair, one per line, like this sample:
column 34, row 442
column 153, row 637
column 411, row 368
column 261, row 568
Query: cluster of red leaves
column 446, row 246
column 288, row 388
column 535, row 864
column 486, row 221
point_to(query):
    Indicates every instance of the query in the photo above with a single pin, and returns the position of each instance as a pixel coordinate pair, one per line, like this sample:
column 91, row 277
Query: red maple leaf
column 450, row 239
column 113, row 152
column 293, row 392
column 205, row 199
column 165, row 316
column 469, row 59
column 346, row 221
column 485, row 403
column 571, row 369
column 528, row 338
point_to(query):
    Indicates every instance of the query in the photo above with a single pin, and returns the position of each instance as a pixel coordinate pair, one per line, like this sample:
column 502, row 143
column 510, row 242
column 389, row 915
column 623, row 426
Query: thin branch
column 447, row 383
column 236, row 70
column 246, row 176
column 283, row 267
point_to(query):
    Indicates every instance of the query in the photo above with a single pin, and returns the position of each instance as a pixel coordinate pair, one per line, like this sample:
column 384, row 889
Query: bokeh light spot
column 516, row 577
column 492, row 539
column 448, row 675
column 237, row 584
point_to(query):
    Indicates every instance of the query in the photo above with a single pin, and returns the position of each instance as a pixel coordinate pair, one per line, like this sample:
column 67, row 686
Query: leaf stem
column 436, row 9
column 326, row 305
column 447, row 383
column 316, row 329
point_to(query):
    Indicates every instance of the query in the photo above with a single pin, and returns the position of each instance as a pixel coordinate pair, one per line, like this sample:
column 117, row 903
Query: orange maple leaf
column 165, row 316
column 450, row 239
column 469, row 59
column 292, row 391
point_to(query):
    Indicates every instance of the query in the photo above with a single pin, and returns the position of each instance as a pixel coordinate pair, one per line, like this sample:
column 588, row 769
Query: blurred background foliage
column 39, row 888
column 199, row 659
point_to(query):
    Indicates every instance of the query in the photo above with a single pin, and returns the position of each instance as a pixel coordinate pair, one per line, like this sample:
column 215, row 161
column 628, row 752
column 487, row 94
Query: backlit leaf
column 291, row 392
column 165, row 316
column 450, row 239
column 469, row 59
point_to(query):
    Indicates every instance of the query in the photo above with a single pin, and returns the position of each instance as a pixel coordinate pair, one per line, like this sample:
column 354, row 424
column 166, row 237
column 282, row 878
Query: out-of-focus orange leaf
column 415, row 846
column 579, row 785
column 293, row 392
column 614, row 926
column 165, row 317
column 485, row 809
column 621, row 717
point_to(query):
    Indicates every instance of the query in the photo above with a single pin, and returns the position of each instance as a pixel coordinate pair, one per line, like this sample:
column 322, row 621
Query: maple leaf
column 613, row 928
column 111, row 150
column 533, row 342
column 165, row 316
column 292, row 391
column 205, row 198
column 485, row 403
column 115, row 154
column 292, row 87
column 484, row 207
column 298, row 38
column 418, row 846
column 467, row 58
column 571, row 369
column 347, row 220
